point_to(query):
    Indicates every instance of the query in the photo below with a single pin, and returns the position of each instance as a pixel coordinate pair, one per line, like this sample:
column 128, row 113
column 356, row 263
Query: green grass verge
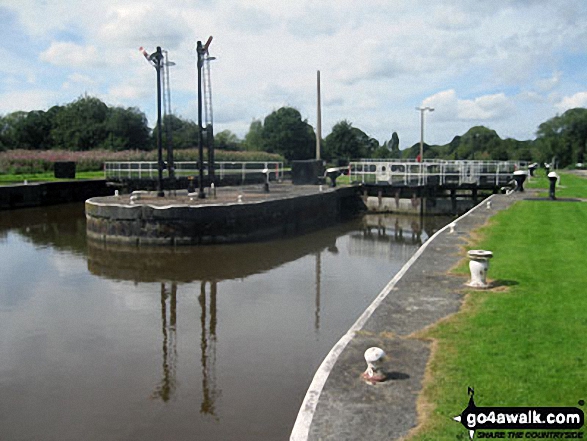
column 570, row 186
column 46, row 177
column 524, row 345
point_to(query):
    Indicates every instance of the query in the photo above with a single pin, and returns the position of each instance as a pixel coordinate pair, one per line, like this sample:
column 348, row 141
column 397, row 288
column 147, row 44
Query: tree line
column 87, row 124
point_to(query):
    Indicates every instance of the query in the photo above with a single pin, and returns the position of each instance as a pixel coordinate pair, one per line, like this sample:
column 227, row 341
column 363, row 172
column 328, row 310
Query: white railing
column 434, row 172
column 149, row 170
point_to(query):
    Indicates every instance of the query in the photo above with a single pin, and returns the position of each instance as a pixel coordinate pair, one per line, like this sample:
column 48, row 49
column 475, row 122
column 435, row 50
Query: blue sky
column 505, row 64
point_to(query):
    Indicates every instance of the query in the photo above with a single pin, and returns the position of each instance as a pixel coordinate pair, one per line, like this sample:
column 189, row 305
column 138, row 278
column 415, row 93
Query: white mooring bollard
column 478, row 265
column 374, row 358
column 452, row 227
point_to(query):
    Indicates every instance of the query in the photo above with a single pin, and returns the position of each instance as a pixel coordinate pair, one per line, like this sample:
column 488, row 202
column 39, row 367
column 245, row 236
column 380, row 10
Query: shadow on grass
column 396, row 376
column 547, row 199
column 502, row 283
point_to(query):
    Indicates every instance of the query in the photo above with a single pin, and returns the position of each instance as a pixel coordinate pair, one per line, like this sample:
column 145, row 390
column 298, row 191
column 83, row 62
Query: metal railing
column 222, row 169
column 434, row 172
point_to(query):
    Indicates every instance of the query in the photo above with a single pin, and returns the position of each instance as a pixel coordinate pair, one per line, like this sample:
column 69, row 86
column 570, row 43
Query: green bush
column 34, row 162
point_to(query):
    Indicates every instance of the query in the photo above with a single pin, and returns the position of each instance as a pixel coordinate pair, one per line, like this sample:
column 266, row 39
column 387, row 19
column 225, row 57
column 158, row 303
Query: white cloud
column 483, row 108
column 377, row 61
column 547, row 84
column 34, row 99
column 126, row 92
column 76, row 80
column 570, row 102
column 73, row 55
column 141, row 24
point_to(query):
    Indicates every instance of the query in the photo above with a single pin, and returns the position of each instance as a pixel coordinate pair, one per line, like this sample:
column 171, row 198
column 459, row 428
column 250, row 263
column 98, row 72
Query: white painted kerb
column 301, row 427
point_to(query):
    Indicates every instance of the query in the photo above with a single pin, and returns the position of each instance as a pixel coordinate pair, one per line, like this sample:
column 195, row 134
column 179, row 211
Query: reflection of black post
column 318, row 283
column 158, row 61
column 169, row 349
column 173, row 307
column 213, row 319
column 205, row 406
column 208, row 349
column 200, row 50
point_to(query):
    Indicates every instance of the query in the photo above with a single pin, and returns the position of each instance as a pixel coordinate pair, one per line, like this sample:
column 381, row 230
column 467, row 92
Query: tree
column 226, row 140
column 33, row 131
column 285, row 132
column 564, row 136
column 254, row 138
column 126, row 129
column 183, row 132
column 393, row 145
column 346, row 142
column 8, row 125
column 81, row 125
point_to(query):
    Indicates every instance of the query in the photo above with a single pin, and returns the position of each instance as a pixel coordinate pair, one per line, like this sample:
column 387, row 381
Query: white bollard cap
column 480, row 254
column 374, row 374
column 373, row 355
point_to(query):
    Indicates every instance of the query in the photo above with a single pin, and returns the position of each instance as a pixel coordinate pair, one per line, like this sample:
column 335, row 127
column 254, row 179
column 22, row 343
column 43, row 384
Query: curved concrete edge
column 305, row 416
column 175, row 222
column 93, row 201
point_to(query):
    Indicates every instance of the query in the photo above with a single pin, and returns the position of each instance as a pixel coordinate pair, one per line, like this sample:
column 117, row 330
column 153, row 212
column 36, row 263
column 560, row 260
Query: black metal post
column 200, row 50
column 158, row 64
column 552, row 177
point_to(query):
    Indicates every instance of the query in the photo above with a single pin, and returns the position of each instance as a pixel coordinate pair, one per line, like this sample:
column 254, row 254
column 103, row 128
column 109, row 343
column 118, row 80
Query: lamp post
column 200, row 50
column 422, row 110
column 209, row 119
column 318, row 116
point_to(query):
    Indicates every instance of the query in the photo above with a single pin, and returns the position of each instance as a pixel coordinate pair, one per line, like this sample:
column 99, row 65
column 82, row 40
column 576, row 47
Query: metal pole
column 319, row 119
column 158, row 59
column 200, row 51
column 421, row 135
column 422, row 110
column 167, row 116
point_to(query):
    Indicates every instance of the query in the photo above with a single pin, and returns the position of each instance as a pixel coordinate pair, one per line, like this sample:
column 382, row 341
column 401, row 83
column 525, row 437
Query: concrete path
column 339, row 405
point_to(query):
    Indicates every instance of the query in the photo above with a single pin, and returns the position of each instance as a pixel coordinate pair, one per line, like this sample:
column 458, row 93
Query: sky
column 505, row 64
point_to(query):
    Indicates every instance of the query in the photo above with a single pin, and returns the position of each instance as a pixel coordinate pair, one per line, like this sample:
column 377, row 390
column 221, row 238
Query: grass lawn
column 524, row 345
column 570, row 185
column 46, row 177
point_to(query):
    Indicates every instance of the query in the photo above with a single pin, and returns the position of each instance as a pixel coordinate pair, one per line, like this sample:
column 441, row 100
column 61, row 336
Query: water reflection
column 318, row 283
column 62, row 227
column 384, row 236
column 208, row 349
column 189, row 327
column 387, row 235
column 214, row 262
column 208, row 322
column 166, row 388
column 226, row 262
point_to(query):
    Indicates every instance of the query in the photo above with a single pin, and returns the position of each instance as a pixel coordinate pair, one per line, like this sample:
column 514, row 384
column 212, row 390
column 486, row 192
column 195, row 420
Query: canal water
column 212, row 343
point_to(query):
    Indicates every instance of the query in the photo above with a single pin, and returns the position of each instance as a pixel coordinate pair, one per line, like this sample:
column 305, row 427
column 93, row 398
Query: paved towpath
column 339, row 405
